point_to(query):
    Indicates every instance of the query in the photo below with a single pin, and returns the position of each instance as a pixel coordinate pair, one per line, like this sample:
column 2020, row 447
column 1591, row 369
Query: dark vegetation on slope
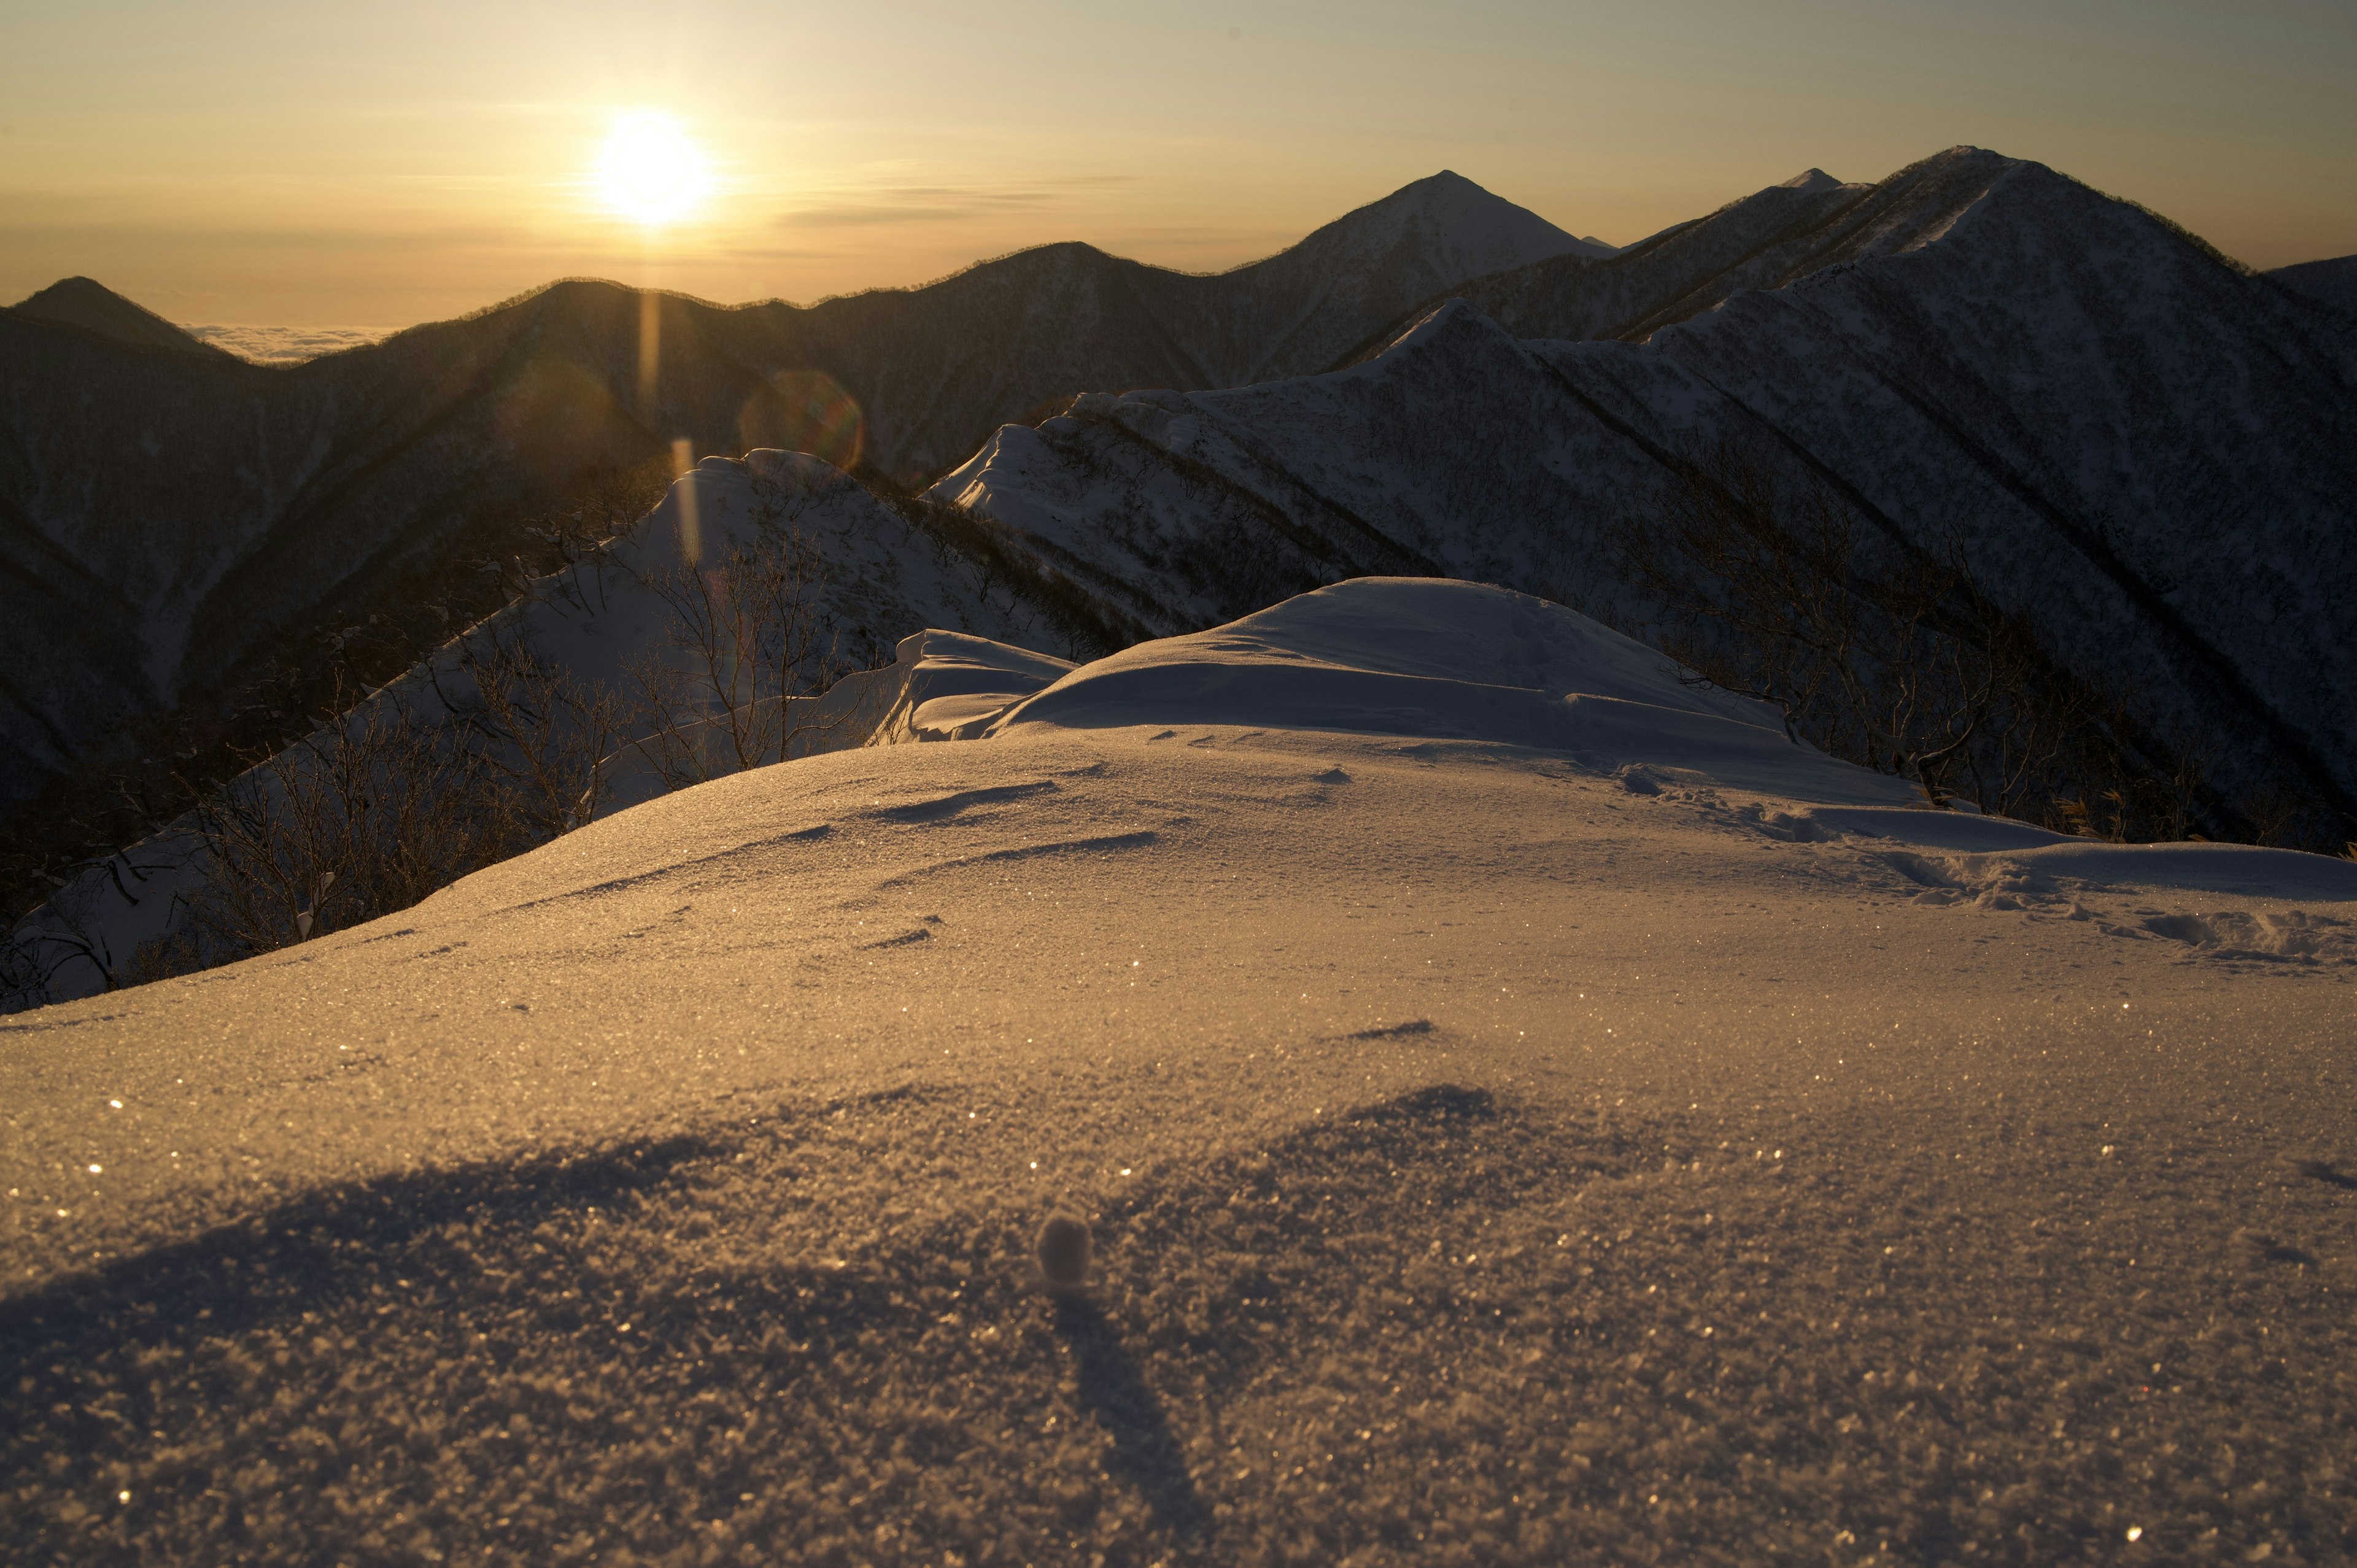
column 174, row 521
column 1446, row 1327
column 89, row 306
column 1889, row 652
column 2141, row 448
column 392, row 795
column 164, row 764
column 1886, row 653
column 2334, row 282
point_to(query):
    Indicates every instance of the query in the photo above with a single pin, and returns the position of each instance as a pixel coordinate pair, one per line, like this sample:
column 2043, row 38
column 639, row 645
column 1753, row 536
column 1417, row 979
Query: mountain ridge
column 219, row 511
column 2148, row 511
column 89, row 306
column 2332, row 280
column 1949, row 347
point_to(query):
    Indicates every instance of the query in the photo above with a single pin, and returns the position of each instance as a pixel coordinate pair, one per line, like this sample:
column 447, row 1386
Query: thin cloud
column 947, row 204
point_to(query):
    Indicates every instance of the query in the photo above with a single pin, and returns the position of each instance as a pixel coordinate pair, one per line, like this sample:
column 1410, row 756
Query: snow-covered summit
column 1433, row 658
column 1809, row 179
column 1461, row 227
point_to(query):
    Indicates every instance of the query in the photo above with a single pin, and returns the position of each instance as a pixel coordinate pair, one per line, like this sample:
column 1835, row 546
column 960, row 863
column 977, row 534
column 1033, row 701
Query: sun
column 651, row 172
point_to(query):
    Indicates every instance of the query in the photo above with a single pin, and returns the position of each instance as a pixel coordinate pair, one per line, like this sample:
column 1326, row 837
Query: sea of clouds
column 283, row 345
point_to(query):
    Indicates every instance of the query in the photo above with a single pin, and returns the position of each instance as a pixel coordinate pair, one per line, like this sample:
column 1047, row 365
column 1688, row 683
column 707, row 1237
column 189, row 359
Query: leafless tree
column 362, row 818
column 398, row 797
column 544, row 737
column 749, row 636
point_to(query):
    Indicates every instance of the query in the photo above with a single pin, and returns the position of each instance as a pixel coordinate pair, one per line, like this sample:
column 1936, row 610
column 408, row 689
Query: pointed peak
column 91, row 307
column 1465, row 229
column 1811, row 180
column 1453, row 318
column 1446, row 186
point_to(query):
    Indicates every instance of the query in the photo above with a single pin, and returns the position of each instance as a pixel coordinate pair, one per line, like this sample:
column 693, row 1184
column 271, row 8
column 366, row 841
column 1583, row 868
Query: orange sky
column 291, row 163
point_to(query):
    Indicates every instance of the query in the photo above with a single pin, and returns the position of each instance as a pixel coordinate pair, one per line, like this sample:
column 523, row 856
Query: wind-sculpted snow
column 1442, row 660
column 2141, row 449
column 1488, row 1156
column 954, row 686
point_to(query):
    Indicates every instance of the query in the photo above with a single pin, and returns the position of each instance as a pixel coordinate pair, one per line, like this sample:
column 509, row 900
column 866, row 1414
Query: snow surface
column 1489, row 1158
column 1450, row 660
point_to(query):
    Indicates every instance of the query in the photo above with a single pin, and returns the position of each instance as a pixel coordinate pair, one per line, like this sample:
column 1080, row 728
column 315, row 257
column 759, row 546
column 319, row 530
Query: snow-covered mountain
column 2142, row 448
column 177, row 523
column 883, row 573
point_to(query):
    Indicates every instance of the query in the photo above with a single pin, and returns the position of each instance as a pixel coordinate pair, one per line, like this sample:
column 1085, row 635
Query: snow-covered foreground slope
column 1489, row 1156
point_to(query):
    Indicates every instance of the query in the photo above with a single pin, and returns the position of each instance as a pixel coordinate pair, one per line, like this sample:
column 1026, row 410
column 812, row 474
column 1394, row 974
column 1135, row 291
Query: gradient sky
column 261, row 161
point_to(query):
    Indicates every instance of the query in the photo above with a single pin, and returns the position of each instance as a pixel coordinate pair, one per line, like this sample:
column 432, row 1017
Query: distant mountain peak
column 1812, row 180
column 1481, row 231
column 90, row 306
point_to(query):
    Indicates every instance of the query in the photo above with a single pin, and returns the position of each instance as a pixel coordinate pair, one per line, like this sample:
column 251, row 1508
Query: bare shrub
column 135, row 784
column 396, row 799
column 749, row 634
column 542, row 736
column 355, row 820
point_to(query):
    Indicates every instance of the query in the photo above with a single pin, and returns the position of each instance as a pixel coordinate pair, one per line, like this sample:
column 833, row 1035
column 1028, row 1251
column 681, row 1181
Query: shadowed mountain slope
column 169, row 521
column 93, row 307
column 2333, row 282
column 2142, row 449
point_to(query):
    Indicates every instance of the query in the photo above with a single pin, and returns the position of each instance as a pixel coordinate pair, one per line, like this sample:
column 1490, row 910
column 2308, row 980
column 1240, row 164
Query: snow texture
column 1488, row 1157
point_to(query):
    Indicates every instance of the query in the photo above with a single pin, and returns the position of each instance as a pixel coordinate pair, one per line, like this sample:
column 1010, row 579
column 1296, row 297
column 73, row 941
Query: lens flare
column 805, row 410
column 650, row 171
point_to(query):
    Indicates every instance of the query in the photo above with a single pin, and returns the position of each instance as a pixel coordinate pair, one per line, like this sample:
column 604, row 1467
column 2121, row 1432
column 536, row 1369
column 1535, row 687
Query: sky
column 262, row 161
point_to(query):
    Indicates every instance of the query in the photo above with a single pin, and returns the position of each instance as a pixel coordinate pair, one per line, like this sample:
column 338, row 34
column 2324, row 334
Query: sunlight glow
column 651, row 172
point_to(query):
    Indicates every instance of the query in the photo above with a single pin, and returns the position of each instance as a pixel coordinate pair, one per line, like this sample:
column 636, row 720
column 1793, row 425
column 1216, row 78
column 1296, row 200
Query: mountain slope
column 90, row 306
column 2140, row 448
column 2334, row 282
column 175, row 522
column 579, row 650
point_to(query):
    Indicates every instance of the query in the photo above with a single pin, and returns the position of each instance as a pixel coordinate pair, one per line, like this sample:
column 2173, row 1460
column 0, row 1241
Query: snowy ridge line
column 593, row 624
column 1952, row 352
